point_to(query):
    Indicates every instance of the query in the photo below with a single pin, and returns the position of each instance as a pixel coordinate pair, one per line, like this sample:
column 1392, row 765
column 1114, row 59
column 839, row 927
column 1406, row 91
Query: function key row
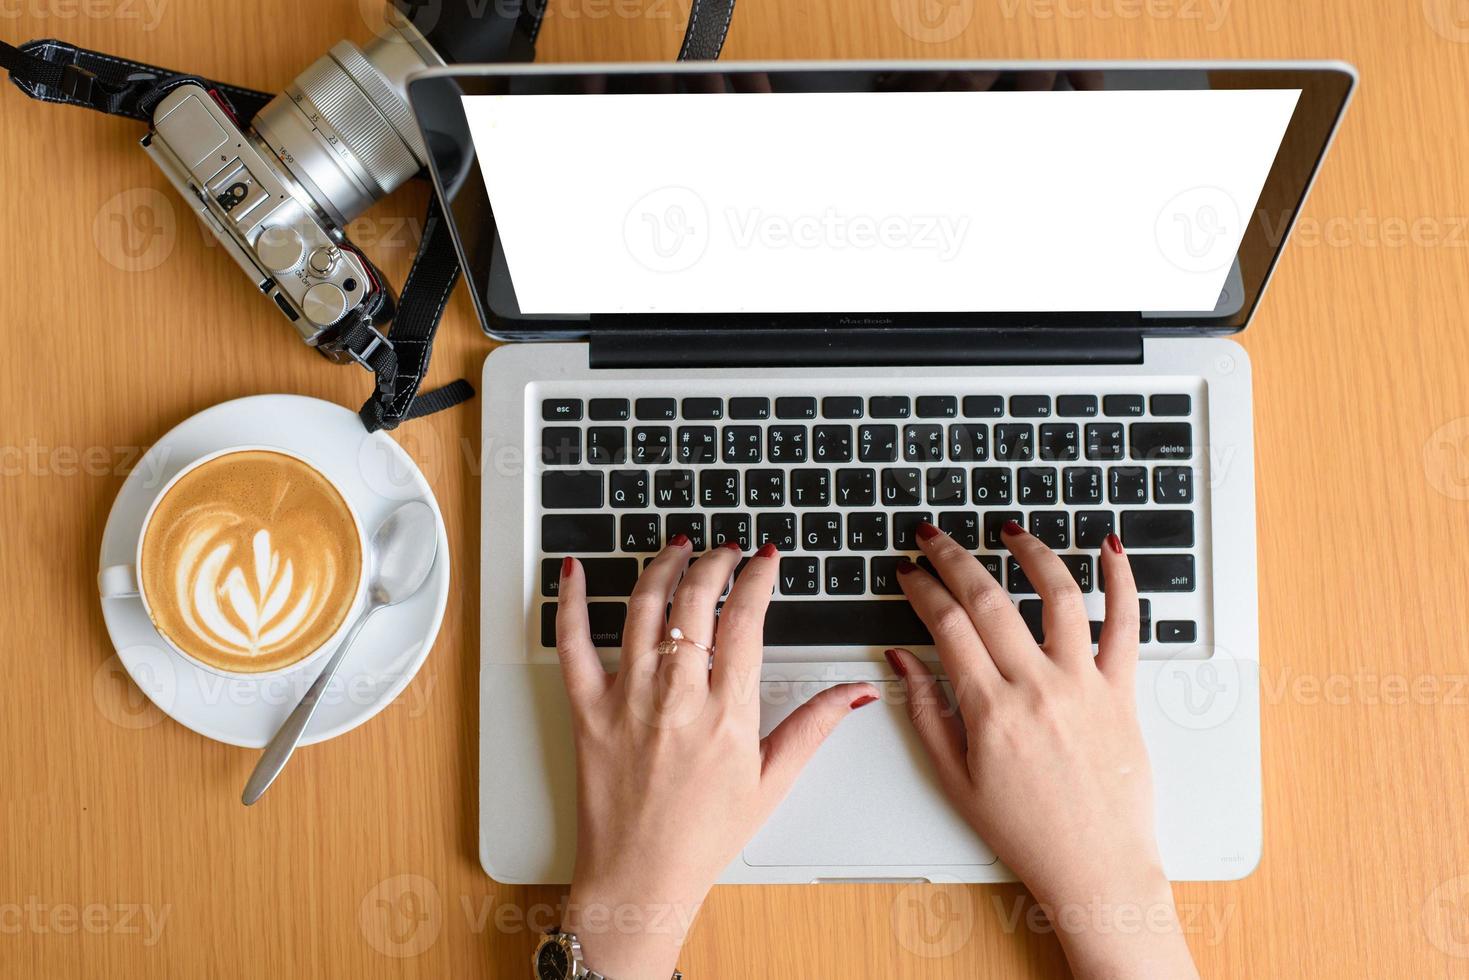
column 856, row 407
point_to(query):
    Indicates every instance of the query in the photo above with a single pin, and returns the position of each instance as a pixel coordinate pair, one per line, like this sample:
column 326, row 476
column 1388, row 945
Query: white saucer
column 376, row 475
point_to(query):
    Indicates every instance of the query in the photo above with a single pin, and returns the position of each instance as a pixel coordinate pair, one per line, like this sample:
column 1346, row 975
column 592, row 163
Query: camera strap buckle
column 375, row 339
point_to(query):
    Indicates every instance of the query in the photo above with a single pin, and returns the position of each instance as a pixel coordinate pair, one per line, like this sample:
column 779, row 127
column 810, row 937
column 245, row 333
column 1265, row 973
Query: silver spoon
column 401, row 554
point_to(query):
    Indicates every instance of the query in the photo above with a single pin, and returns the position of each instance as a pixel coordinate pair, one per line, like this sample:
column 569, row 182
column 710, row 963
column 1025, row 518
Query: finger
column 1068, row 638
column 1117, row 647
column 694, row 603
column 741, row 630
column 647, row 608
column 787, row 749
column 965, row 656
column 581, row 669
column 937, row 723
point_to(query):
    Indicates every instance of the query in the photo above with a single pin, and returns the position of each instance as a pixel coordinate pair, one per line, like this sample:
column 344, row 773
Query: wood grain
column 362, row 861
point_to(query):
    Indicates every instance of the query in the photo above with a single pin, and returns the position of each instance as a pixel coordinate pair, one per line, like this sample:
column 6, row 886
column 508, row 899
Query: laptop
column 816, row 304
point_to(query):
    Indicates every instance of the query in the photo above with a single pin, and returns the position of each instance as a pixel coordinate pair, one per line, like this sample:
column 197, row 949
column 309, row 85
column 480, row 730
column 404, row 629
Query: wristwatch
column 558, row 957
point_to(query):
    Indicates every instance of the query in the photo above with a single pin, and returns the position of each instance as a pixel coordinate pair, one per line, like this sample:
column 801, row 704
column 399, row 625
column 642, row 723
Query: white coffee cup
column 122, row 582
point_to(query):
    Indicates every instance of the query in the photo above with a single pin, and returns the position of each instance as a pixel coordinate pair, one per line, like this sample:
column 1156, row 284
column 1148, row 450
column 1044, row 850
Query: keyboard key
column 1176, row 630
column 846, row 576
column 652, row 445
column 1158, row 528
column 1114, row 405
column 1017, row 583
column 731, row 527
column 656, row 409
column 889, row 406
column 1170, row 405
column 923, row 443
column 563, row 534
column 795, row 408
column 674, row 488
column 786, row 444
column 1014, row 442
column 831, row 443
column 842, row 407
column 1076, row 406
column 1081, row 485
column 1104, row 440
column 1092, row 528
column 1031, row 612
column 719, row 488
column 698, row 444
column 877, row 443
column 765, row 488
column 1080, row 567
column 994, row 520
column 1127, row 485
column 692, row 526
column 991, row 485
column 1030, row 406
column 983, row 406
column 1053, row 527
column 561, row 446
column 776, row 529
column 844, row 622
column 639, row 532
column 993, row 565
column 1161, row 440
column 571, row 490
column 1060, row 441
column 856, row 488
column 962, row 526
column 606, row 445
column 604, row 576
column 1160, row 573
column 608, row 410
column 741, row 443
column 629, row 488
column 703, row 409
column 946, row 487
column 810, row 488
column 884, row 575
column 905, row 529
column 901, row 488
column 821, row 532
column 561, row 410
column 606, row 620
column 968, row 442
column 938, row 407
column 749, row 408
column 1035, row 486
column 800, row 575
column 867, row 531
column 1173, row 485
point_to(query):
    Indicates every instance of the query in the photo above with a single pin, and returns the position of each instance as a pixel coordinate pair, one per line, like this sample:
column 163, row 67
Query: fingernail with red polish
column 767, row 550
column 1115, row 543
column 567, row 564
column 733, row 544
column 864, row 699
column 895, row 662
column 905, row 566
column 927, row 531
column 678, row 541
column 1013, row 527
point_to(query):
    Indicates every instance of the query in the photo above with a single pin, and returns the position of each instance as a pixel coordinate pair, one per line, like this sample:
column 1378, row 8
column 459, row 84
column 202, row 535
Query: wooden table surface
column 124, row 850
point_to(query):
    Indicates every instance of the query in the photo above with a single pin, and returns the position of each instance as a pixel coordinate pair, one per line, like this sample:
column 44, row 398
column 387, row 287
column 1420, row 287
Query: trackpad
column 868, row 798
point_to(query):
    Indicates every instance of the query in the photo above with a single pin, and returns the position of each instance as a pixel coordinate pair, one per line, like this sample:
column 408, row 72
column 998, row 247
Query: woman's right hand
column 1044, row 756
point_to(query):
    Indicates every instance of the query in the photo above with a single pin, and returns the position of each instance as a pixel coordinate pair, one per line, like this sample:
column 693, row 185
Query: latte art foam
column 251, row 562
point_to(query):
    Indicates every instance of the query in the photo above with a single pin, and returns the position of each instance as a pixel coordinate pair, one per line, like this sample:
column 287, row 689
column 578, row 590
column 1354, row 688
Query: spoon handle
column 283, row 743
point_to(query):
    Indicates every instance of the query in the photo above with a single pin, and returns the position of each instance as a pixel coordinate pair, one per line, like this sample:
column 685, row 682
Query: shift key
column 1161, row 573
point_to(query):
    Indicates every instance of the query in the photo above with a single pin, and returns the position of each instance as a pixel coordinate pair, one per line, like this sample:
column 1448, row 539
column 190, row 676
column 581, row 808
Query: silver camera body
column 278, row 194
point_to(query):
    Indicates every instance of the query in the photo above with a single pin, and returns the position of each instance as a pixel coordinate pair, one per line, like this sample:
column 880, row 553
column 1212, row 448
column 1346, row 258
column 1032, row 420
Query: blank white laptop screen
column 921, row 202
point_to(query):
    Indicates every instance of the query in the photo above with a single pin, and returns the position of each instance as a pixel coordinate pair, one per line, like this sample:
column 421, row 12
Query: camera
column 279, row 191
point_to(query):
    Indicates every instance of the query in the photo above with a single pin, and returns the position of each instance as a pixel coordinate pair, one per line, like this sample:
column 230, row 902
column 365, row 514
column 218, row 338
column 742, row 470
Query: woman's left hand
column 672, row 775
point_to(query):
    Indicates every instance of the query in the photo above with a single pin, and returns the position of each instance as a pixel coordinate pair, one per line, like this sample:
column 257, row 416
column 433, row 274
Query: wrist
column 629, row 937
column 1128, row 928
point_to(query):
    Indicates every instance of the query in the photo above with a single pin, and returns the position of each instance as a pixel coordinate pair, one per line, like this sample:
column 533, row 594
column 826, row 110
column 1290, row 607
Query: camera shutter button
column 324, row 304
column 280, row 248
column 323, row 260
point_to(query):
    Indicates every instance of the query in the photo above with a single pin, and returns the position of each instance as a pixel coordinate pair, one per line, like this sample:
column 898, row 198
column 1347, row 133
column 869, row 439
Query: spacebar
column 855, row 623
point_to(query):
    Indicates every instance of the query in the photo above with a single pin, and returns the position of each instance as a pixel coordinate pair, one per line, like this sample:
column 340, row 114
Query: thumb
column 787, row 749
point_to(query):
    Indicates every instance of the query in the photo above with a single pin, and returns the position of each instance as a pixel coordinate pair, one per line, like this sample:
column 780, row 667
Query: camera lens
column 343, row 127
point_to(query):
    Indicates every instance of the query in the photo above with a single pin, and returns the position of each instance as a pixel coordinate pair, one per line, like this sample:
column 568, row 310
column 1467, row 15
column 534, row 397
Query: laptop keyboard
column 840, row 482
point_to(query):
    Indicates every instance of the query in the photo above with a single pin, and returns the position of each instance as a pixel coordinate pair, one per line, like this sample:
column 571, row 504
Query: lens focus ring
column 347, row 110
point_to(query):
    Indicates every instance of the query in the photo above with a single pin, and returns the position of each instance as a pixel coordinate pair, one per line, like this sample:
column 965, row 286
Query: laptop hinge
column 870, row 347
